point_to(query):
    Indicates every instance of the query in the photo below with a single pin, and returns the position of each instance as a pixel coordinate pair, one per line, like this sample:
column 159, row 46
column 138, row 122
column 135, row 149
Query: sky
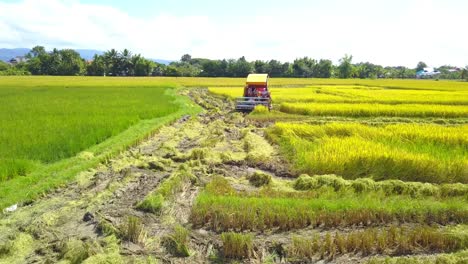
column 390, row 33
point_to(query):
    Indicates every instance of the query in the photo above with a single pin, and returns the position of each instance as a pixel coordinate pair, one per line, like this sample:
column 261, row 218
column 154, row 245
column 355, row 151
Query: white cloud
column 417, row 30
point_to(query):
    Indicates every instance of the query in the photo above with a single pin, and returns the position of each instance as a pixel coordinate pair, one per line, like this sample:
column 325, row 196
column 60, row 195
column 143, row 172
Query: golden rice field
column 426, row 153
column 356, row 94
column 340, row 171
column 375, row 110
column 370, row 153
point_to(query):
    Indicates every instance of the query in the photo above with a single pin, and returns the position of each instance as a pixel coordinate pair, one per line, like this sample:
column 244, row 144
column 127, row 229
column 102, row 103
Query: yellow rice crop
column 426, row 153
column 354, row 94
column 373, row 109
column 360, row 94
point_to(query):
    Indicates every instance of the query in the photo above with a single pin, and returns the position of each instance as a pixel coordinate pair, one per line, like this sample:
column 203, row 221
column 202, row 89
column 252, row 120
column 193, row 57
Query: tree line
column 125, row 63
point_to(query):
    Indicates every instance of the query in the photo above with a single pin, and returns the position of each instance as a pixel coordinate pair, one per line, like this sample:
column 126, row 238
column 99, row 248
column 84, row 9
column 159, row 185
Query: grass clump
column 390, row 241
column 154, row 201
column 106, row 228
column 219, row 186
column 17, row 248
column 107, row 252
column 132, row 230
column 177, row 243
column 156, row 165
column 236, row 245
column 257, row 148
column 199, row 154
column 75, row 251
column 260, row 109
column 259, row 178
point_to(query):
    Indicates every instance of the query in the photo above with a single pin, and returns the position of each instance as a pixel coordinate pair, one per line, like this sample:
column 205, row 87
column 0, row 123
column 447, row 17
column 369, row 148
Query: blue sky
column 385, row 32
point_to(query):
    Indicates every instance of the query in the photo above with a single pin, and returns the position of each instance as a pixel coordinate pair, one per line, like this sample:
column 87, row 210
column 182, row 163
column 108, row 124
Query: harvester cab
column 255, row 93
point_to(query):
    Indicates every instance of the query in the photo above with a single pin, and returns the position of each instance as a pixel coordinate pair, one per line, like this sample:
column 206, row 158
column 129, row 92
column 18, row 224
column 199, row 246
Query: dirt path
column 58, row 226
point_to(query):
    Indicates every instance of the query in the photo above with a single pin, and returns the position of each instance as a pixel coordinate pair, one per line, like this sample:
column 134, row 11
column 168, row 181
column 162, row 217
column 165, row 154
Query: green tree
column 304, row 67
column 38, row 61
column 97, row 66
column 126, row 67
column 214, row 68
column 36, row 52
column 143, row 67
column 421, row 65
column 277, row 69
column 239, row 68
column 112, row 62
column 158, row 69
column 172, row 70
column 261, row 67
column 324, row 69
column 186, row 58
column 368, row 70
column 345, row 69
column 70, row 63
column 4, row 66
column 464, row 73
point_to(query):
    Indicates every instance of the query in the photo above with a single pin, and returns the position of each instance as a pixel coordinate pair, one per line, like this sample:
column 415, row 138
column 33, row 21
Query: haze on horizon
column 388, row 33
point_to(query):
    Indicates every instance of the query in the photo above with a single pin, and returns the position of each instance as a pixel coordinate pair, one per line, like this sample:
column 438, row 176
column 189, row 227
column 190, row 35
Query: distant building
column 427, row 73
column 18, row 59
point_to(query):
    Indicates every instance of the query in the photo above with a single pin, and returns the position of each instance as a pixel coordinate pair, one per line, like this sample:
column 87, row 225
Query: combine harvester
column 255, row 93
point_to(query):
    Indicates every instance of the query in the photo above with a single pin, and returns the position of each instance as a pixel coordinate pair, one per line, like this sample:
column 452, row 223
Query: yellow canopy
column 257, row 79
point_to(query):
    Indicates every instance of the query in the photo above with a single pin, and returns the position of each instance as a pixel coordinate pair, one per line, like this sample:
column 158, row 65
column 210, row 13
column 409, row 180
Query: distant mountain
column 87, row 54
column 8, row 54
column 165, row 62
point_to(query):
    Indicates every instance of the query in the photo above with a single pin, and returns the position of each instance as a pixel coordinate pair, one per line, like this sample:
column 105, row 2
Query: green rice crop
column 224, row 209
column 60, row 126
column 425, row 153
column 45, row 123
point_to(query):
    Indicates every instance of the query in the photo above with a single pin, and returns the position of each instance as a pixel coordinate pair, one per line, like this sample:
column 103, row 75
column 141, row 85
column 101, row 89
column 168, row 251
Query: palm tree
column 134, row 60
column 125, row 62
column 464, row 73
column 111, row 60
